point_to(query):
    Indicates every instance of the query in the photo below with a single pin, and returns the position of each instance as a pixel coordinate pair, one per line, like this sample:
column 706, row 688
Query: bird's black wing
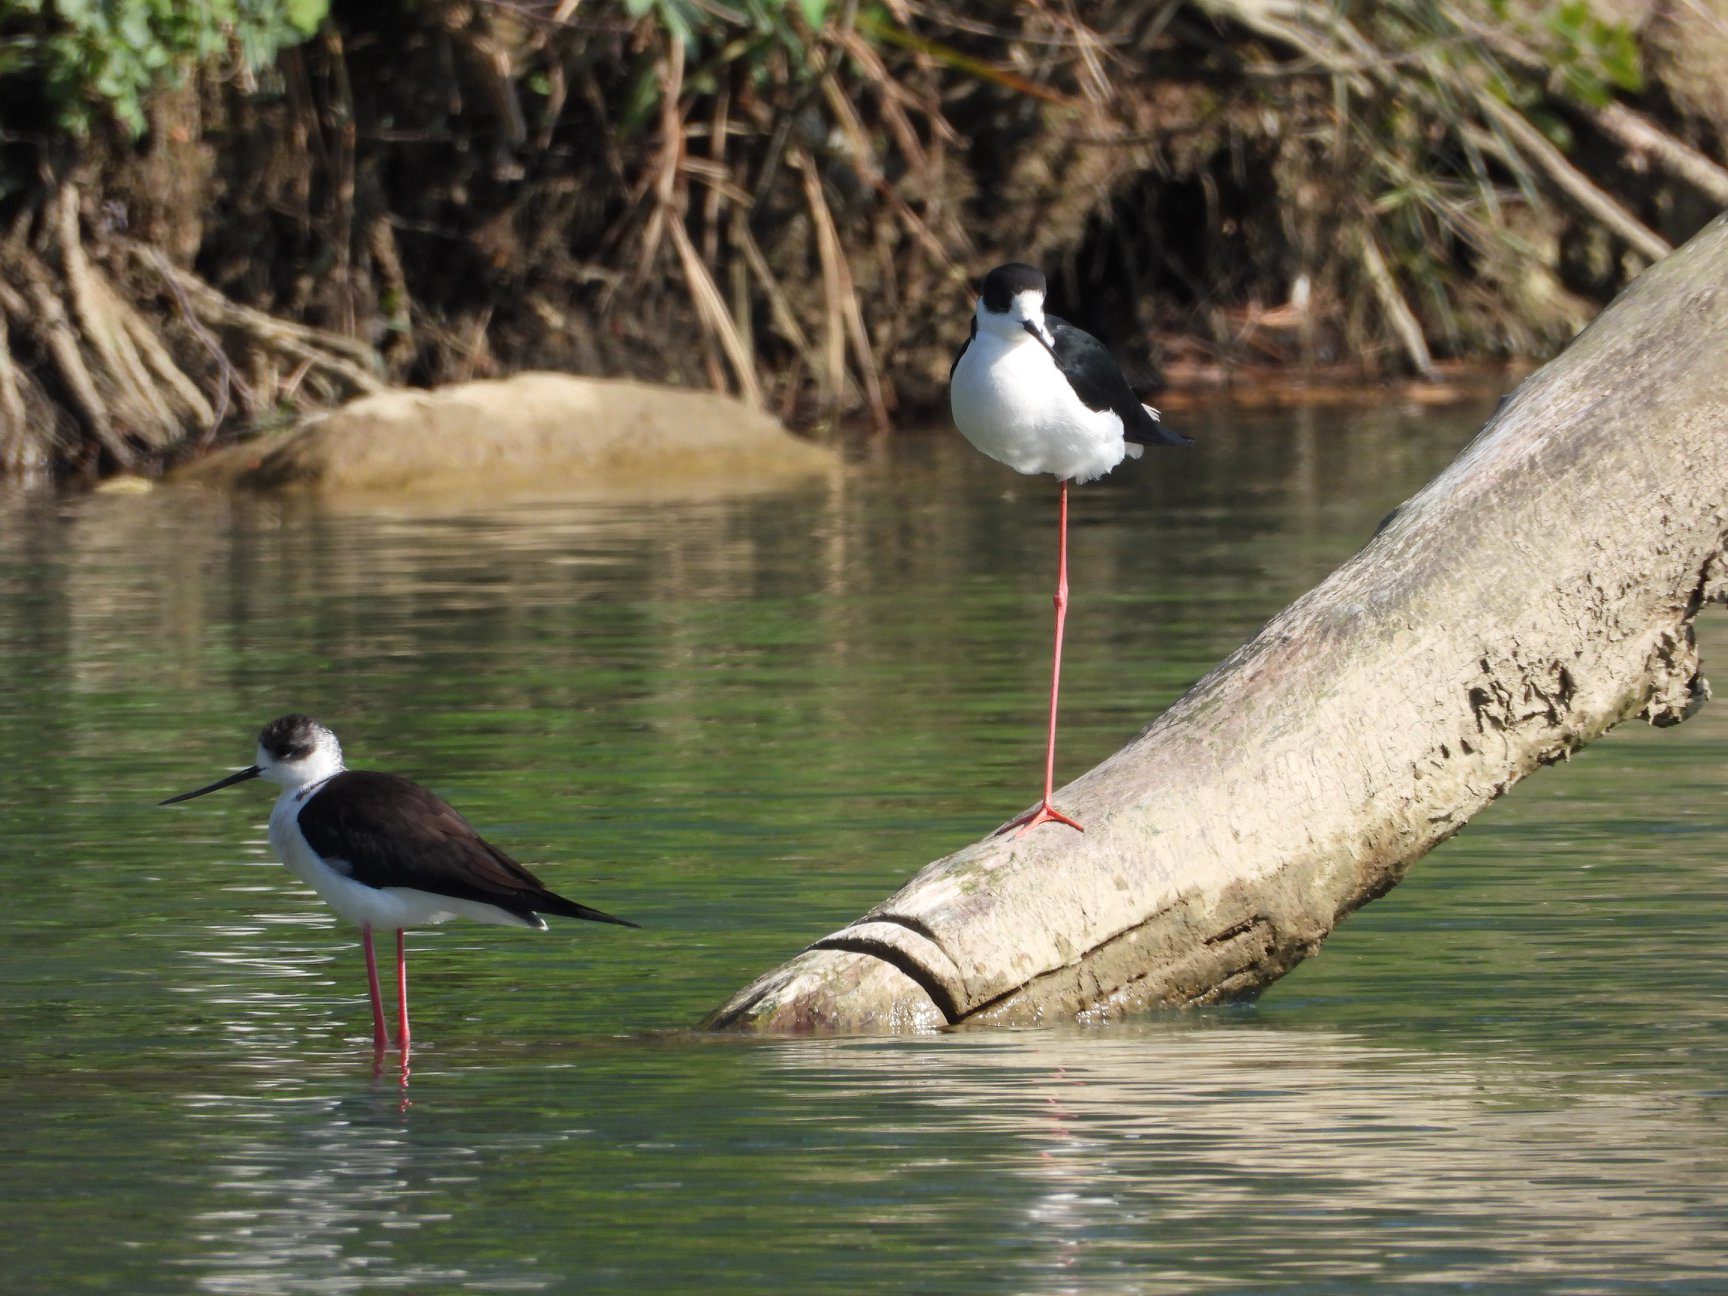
column 391, row 832
column 963, row 346
column 1097, row 380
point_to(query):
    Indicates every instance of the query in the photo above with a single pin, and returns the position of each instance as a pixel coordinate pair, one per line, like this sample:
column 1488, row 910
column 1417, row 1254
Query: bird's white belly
column 386, row 909
column 1011, row 402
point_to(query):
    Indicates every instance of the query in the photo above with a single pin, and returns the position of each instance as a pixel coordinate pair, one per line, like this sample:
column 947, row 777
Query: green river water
column 740, row 722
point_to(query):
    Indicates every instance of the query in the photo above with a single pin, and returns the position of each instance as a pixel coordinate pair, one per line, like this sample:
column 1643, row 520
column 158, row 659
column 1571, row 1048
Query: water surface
column 741, row 722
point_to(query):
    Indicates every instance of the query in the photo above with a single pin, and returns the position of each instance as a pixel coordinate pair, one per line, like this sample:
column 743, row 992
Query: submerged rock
column 532, row 432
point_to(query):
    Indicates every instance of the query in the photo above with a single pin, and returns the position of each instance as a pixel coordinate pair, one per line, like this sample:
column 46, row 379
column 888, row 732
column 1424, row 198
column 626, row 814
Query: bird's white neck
column 1009, row 326
column 323, row 762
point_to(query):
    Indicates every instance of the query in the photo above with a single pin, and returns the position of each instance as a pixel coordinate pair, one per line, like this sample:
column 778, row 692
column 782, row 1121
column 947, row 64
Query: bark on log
column 1537, row 592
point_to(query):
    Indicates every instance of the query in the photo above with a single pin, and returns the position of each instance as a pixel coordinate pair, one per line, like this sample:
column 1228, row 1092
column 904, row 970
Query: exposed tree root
column 27, row 417
column 335, row 367
column 74, row 349
column 36, row 312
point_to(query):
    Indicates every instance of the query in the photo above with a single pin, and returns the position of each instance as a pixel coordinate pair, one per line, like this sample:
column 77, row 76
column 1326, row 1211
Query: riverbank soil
column 793, row 206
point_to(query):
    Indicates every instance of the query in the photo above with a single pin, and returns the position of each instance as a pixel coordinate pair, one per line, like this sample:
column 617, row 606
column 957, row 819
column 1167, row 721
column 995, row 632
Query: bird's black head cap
column 290, row 737
column 1006, row 282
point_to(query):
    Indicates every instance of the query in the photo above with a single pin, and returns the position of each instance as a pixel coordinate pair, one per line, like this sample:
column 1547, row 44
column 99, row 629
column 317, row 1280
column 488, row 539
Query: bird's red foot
column 1045, row 813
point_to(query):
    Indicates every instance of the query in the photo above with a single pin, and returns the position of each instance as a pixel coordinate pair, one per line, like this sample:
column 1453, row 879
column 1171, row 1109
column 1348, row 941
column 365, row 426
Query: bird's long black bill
column 250, row 772
column 1039, row 337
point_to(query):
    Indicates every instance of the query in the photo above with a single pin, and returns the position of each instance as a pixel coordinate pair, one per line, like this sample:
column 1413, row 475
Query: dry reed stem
column 387, row 257
column 893, row 98
column 1574, row 183
column 663, row 176
column 859, row 153
column 779, row 308
column 718, row 126
column 831, row 374
column 1638, row 134
column 710, row 306
column 837, row 278
column 1397, row 311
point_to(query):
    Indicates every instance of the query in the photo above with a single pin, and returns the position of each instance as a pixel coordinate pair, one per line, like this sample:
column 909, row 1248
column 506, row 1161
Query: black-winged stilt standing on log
column 385, row 853
column 1034, row 392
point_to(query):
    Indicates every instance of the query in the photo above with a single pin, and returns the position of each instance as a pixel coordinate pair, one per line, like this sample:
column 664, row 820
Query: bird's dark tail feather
column 1151, row 431
column 562, row 908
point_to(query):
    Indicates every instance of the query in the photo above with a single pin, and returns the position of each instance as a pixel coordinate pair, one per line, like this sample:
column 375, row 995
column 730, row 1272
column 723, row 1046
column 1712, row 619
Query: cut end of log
column 830, row 992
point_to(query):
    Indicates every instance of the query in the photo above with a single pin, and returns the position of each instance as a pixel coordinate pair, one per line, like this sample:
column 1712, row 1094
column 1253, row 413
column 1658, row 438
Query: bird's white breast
column 1011, row 401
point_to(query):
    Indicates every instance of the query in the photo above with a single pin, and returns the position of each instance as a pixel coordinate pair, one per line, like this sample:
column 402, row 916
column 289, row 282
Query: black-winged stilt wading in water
column 385, row 853
column 1034, row 392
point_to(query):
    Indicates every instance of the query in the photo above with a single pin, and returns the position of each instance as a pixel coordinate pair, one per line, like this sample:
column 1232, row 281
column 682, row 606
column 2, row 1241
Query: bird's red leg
column 380, row 1037
column 1045, row 811
column 402, row 989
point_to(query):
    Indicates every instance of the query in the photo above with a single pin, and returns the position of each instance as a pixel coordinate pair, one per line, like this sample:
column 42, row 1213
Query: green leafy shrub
column 90, row 59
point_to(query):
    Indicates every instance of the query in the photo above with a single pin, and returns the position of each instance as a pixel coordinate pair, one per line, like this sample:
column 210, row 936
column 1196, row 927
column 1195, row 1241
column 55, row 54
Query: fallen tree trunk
column 1536, row 593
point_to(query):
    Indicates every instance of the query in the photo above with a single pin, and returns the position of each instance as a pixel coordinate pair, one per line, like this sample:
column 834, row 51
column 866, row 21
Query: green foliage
column 1592, row 56
column 1595, row 57
column 691, row 22
column 90, row 58
column 770, row 38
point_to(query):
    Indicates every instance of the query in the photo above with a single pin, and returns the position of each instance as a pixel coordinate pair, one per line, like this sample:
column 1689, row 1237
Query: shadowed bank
column 219, row 221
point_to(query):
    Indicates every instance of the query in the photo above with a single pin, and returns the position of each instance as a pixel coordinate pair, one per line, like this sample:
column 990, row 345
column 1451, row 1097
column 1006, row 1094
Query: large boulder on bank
column 535, row 431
